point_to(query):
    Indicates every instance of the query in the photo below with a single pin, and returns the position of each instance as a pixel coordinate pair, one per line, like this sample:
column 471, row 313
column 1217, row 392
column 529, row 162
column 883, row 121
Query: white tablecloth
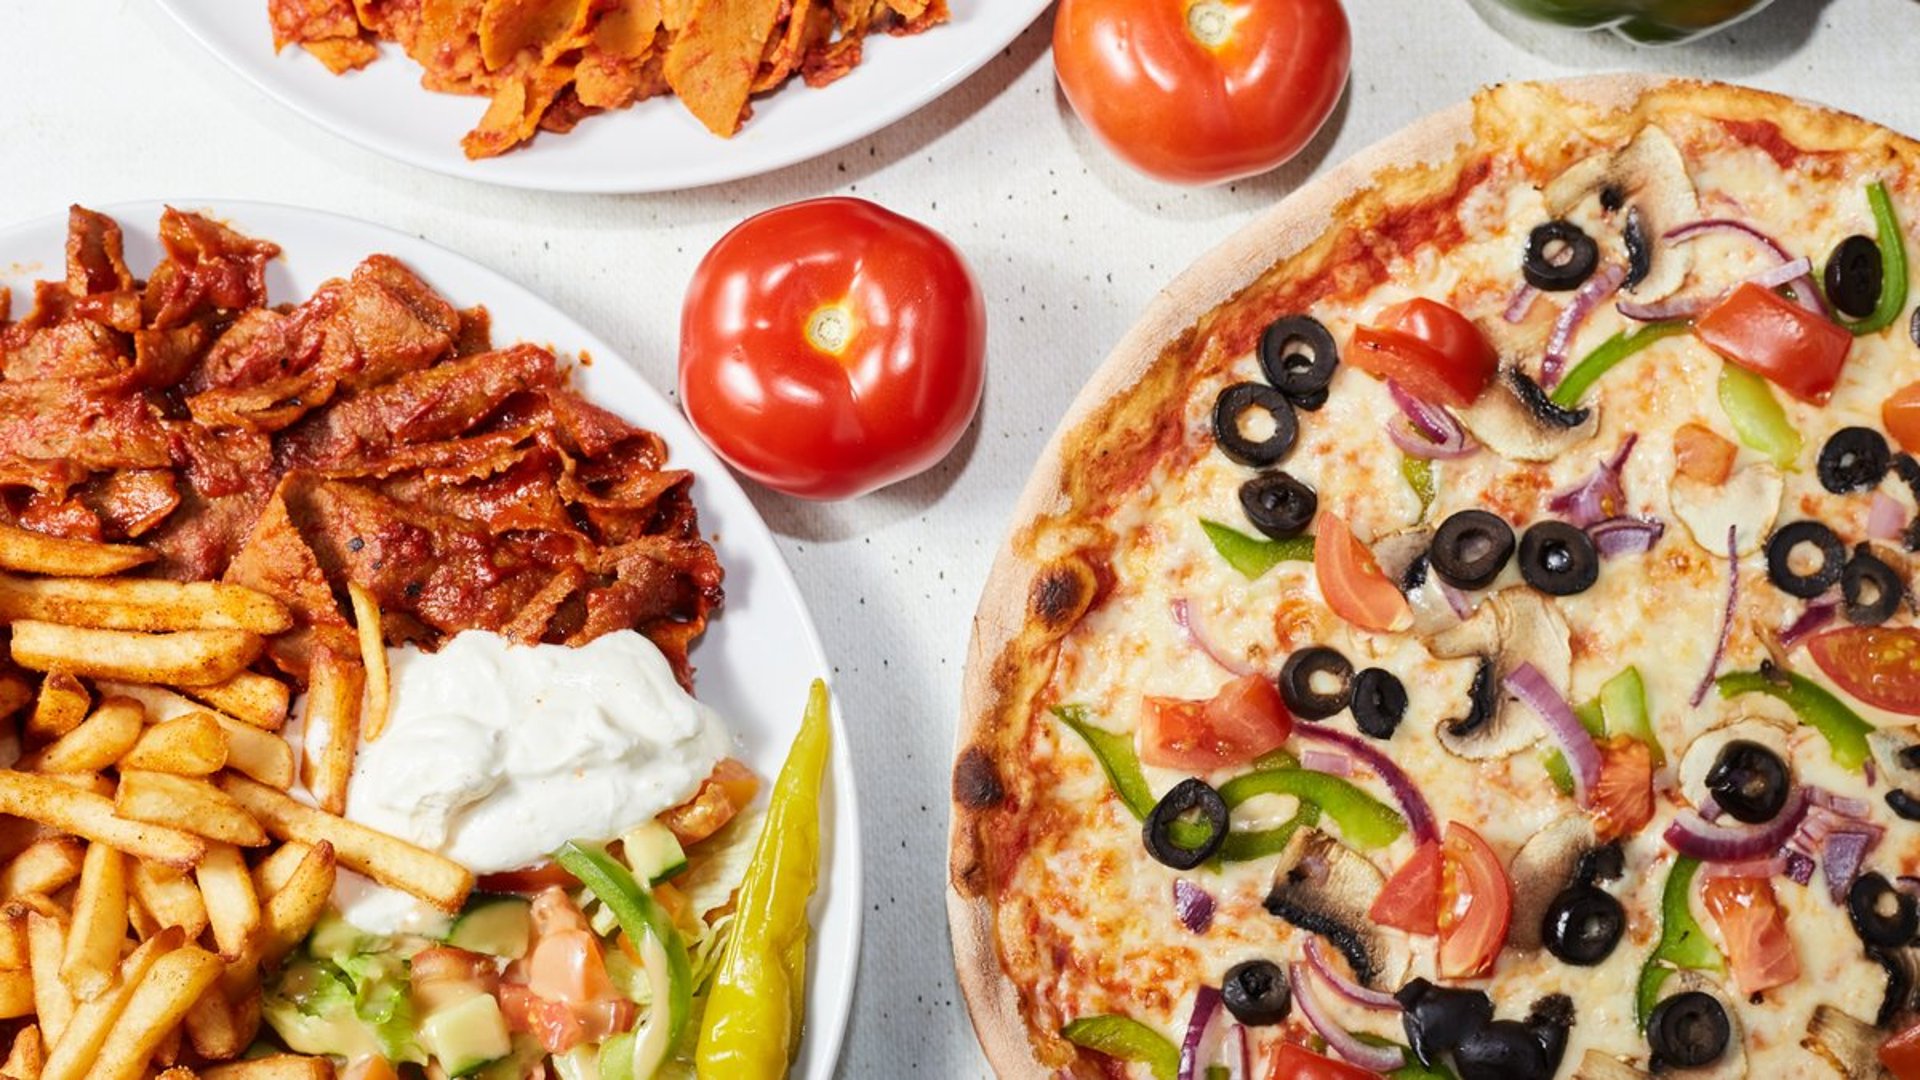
column 104, row 101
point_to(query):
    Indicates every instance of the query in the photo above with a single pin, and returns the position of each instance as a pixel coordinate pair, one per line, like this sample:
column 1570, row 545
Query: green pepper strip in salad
column 1418, row 473
column 1682, row 944
column 1893, row 256
column 753, row 1016
column 651, row 930
column 1756, row 415
column 1607, row 355
column 1127, row 1039
column 1254, row 557
column 1846, row 733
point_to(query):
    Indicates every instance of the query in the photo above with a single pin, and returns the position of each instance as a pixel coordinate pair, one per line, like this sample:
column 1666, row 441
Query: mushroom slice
column 1732, row 1064
column 1890, row 746
column 1849, row 1044
column 1705, row 749
column 1543, row 867
column 1746, row 502
column 1598, row 1066
column 1326, row 888
column 1645, row 186
column 1402, row 556
column 1515, row 626
column 1515, row 419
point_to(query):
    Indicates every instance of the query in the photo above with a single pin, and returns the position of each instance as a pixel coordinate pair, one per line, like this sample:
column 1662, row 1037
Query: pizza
column 1466, row 629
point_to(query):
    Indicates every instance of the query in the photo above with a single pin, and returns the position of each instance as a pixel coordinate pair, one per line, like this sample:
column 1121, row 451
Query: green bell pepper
column 1846, row 733
column 1363, row 819
column 1756, row 415
column 1683, row 943
column 1608, row 355
column 1893, row 255
column 1620, row 709
column 754, row 1011
column 1127, row 1039
column 1114, row 752
column 1418, row 473
column 648, row 926
column 1251, row 555
column 1644, row 22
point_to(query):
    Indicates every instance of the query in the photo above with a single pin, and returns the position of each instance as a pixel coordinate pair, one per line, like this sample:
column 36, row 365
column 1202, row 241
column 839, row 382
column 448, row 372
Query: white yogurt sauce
column 496, row 754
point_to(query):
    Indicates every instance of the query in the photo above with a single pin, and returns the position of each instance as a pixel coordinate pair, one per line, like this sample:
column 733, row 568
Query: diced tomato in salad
column 1799, row 351
column 1753, row 931
column 1241, row 722
column 560, row 992
column 729, row 789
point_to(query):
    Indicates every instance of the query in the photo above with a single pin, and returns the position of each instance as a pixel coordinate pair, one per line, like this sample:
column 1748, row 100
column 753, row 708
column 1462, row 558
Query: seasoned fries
column 45, row 867
column 260, row 700
column 373, row 657
column 333, row 728
column 190, row 745
column 62, row 705
column 100, row 740
column 293, row 908
column 99, row 923
column 189, row 805
column 259, row 753
column 159, row 1002
column 37, row 553
column 46, row 947
column 181, row 658
column 169, row 897
column 74, row 1053
column 277, row 1067
column 233, row 908
column 86, row 814
column 27, row 1056
column 140, row 604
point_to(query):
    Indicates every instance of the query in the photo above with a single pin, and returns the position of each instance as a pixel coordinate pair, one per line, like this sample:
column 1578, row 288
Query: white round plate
column 654, row 146
column 759, row 653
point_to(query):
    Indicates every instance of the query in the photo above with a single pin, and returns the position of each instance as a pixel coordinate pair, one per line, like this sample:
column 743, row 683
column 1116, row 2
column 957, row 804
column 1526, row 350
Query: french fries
column 45, row 867
column 333, row 727
column 292, row 909
column 63, row 704
column 214, row 1027
column 272, row 873
column 16, row 993
column 83, row 813
column 16, row 692
column 192, row 806
column 159, row 1002
column 170, row 897
column 37, row 553
column 373, row 656
column 27, row 1056
column 140, row 604
column 277, row 1067
column 386, row 859
column 261, row 754
column 190, row 745
column 260, row 700
column 233, row 908
column 99, row 923
column 180, row 658
column 46, row 946
column 100, row 740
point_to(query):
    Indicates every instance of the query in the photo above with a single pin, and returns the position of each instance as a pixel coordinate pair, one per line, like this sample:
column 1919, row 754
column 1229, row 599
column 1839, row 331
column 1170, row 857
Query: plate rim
column 849, row 894
column 560, row 178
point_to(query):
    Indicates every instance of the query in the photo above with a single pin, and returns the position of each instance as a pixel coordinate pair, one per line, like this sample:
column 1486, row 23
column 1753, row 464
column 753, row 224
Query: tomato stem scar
column 829, row 329
column 1210, row 23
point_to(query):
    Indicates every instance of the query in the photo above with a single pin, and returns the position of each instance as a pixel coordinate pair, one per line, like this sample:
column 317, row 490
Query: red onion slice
column 1726, row 617
column 1196, row 635
column 1799, row 867
column 1625, row 535
column 1206, row 1002
column 1680, row 234
column 1601, row 285
column 1521, row 304
column 1583, row 757
column 1428, row 431
column 1322, row 966
column 1458, row 601
column 1380, row 1059
column 1709, row 842
column 1886, row 518
column 1673, row 307
column 1843, row 854
column 1412, row 804
column 1327, row 762
column 1748, row 868
column 1844, row 805
column 1194, row 905
column 1414, row 444
column 1602, row 495
column 1818, row 614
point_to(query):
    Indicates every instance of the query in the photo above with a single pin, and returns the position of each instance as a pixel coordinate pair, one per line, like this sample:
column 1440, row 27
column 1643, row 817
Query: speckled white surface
column 106, row 102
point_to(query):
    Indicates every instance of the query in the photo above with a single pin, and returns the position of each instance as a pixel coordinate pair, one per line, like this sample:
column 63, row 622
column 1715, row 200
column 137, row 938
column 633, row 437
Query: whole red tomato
column 832, row 347
column 1202, row 91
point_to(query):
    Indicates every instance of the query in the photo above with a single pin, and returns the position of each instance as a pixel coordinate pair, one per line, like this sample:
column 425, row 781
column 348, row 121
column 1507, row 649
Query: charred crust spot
column 1060, row 593
column 976, row 784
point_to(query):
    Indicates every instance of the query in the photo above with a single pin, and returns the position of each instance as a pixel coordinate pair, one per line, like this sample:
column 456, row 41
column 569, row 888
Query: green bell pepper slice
column 1846, row 733
column 755, row 1009
column 1127, row 1039
column 1643, row 22
column 648, row 926
column 1623, row 707
column 1363, row 819
column 1683, row 943
column 1418, row 473
column 1756, row 415
column 1607, row 355
column 1893, row 258
column 1114, row 752
column 1251, row 555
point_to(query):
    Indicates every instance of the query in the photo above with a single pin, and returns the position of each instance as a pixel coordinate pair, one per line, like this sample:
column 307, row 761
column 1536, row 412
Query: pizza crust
column 1040, row 585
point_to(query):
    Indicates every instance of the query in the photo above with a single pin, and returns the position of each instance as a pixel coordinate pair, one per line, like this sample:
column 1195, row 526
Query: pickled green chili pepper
column 753, row 1016
column 1608, row 355
column 1252, row 556
column 1364, row 820
column 1126, row 1039
column 662, row 952
column 1418, row 473
column 1682, row 944
column 1846, row 733
column 1756, row 415
column 1643, row 22
column 1893, row 259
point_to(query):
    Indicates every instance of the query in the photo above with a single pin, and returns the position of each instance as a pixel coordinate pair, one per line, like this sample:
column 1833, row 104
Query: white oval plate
column 759, row 653
column 654, row 146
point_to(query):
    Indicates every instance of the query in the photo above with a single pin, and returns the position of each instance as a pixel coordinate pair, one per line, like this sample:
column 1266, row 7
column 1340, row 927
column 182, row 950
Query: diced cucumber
column 467, row 1035
column 334, row 937
column 654, row 852
column 495, row 925
column 527, row 1052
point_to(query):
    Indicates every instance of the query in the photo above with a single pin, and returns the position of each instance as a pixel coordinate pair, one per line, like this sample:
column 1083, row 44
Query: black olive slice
column 1871, row 589
column 1854, row 275
column 1502, row 1050
column 1881, row 914
column 1188, row 796
column 1560, row 256
column 1550, row 1019
column 1304, row 680
column 1483, row 701
column 1470, row 549
column 1256, row 993
column 1612, row 198
column 1854, row 459
column 1904, row 805
column 1437, row 1018
column 1913, row 327
column 1231, row 407
column 1379, row 702
column 1604, row 863
column 1298, row 356
column 1543, row 408
column 1639, row 250
column 1558, row 559
column 1688, row 1030
column 1582, row 925
column 1749, row 782
column 1780, row 548
column 1278, row 505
